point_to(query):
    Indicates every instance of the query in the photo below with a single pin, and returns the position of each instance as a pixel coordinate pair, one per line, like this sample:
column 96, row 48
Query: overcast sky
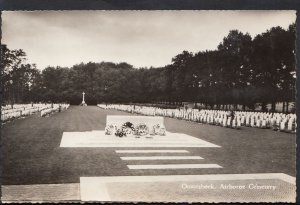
column 141, row 38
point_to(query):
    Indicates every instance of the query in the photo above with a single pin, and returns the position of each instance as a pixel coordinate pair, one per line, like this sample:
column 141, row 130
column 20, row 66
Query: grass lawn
column 31, row 152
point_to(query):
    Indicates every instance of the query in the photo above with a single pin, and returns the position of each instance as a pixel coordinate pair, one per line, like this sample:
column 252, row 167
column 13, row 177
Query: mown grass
column 31, row 152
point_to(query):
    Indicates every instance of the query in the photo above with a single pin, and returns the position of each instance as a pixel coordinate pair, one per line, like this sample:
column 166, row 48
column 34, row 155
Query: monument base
column 83, row 104
column 98, row 138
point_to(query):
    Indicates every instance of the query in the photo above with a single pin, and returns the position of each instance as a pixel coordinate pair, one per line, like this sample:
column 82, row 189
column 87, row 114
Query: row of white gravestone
column 53, row 109
column 18, row 106
column 276, row 121
column 22, row 110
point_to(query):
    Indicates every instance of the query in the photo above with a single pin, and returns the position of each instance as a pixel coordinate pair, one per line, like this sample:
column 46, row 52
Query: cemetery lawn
column 31, row 152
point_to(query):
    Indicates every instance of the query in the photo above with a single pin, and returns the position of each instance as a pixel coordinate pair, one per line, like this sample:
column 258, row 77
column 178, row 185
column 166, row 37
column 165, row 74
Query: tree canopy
column 242, row 70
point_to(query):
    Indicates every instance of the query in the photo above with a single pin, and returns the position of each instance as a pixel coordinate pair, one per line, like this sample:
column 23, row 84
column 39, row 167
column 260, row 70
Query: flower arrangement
column 141, row 129
column 120, row 133
column 128, row 129
column 110, row 129
column 159, row 130
column 162, row 131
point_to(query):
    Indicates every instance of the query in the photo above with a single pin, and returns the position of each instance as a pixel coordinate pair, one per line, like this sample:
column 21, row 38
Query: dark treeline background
column 241, row 71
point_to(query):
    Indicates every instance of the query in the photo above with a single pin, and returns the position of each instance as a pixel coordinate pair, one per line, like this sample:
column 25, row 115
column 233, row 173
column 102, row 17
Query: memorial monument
column 83, row 102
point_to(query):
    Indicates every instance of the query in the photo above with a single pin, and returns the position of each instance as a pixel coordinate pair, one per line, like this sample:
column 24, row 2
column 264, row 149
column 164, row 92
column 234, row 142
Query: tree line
column 241, row 71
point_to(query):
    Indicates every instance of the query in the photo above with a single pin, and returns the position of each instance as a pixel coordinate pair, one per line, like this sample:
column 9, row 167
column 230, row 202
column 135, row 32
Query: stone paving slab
column 41, row 193
column 160, row 158
column 174, row 166
column 151, row 151
column 190, row 188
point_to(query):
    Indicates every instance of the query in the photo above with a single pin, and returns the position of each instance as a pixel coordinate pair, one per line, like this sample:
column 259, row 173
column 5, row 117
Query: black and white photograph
column 148, row 106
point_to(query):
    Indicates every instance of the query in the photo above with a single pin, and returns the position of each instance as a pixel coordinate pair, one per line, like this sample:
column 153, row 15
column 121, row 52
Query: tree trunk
column 263, row 106
column 283, row 106
column 273, row 106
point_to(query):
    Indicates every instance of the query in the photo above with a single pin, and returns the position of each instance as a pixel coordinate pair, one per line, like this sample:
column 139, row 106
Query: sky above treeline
column 140, row 38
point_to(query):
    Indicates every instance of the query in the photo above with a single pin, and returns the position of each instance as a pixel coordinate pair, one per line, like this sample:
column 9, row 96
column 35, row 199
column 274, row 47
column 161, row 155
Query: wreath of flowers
column 110, row 129
column 141, row 129
column 128, row 128
column 159, row 130
column 162, row 131
column 156, row 129
column 120, row 133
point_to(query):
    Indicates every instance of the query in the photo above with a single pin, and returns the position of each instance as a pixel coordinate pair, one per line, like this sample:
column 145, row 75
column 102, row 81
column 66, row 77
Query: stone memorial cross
column 83, row 102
